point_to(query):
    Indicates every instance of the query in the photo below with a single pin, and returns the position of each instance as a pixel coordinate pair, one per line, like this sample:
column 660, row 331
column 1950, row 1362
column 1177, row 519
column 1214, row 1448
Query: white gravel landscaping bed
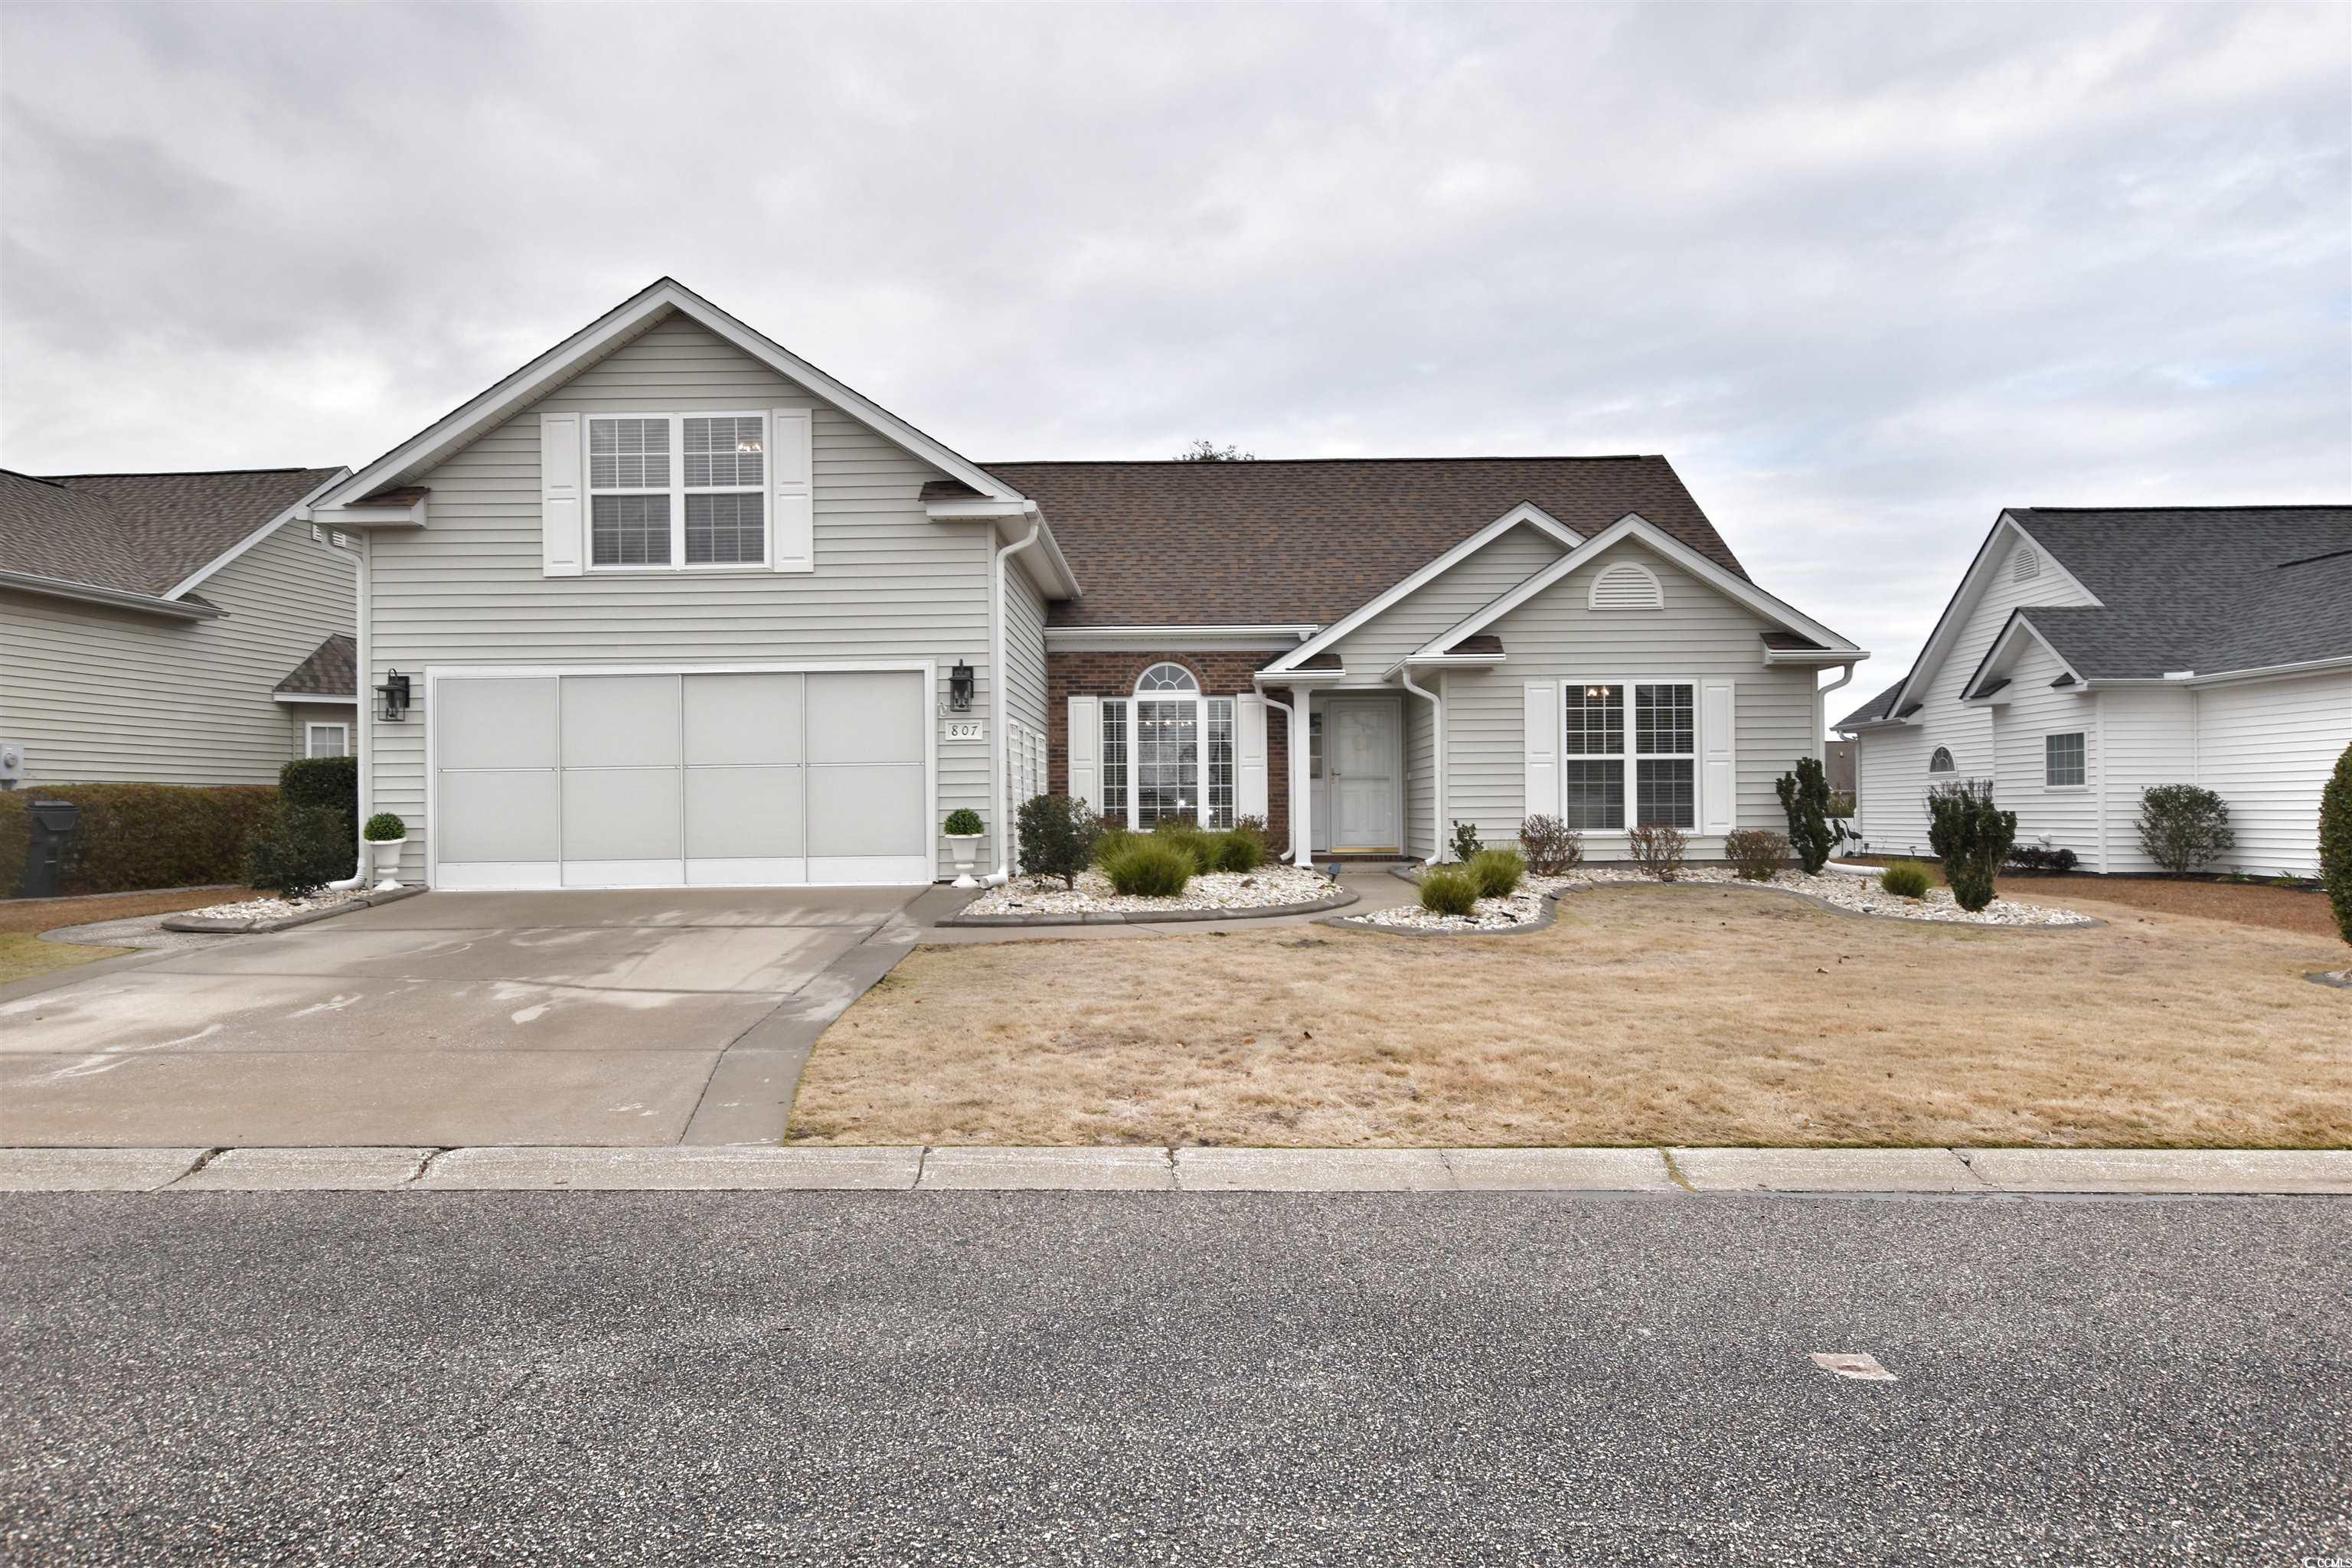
column 1524, row 908
column 280, row 908
column 1264, row 888
column 1862, row 895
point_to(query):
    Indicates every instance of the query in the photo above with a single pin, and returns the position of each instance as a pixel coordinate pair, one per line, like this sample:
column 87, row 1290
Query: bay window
column 1168, row 752
column 678, row 491
column 1613, row 776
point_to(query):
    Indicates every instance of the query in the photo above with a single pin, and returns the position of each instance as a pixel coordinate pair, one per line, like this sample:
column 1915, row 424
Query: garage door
column 640, row 780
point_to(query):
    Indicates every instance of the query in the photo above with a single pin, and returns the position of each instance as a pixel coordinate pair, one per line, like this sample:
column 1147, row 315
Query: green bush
column 1971, row 837
column 1805, row 797
column 1254, row 826
column 1237, row 851
column 1756, row 853
column 1906, row 879
column 963, row 823
column 1448, row 890
column 1058, row 836
column 1497, row 872
column 299, row 849
column 1149, row 865
column 2336, row 842
column 1186, row 834
column 139, row 836
column 1110, row 839
column 2182, row 826
column 385, row 827
column 1553, row 847
column 1465, row 841
column 331, row 782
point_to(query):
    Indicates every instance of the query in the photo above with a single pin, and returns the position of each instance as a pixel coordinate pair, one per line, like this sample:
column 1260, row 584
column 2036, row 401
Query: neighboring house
column 1837, row 767
column 151, row 624
column 669, row 605
column 2090, row 653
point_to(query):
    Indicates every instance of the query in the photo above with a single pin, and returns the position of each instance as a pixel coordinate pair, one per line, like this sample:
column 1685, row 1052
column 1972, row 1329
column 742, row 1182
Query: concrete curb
column 1671, row 1173
column 218, row 926
column 1339, row 900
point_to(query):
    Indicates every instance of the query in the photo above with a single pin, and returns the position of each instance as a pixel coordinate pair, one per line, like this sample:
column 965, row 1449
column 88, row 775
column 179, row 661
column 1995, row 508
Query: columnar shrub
column 1553, row 847
column 1971, row 835
column 1497, row 872
column 1057, row 837
column 300, row 849
column 1756, row 853
column 1149, row 865
column 1906, row 879
column 1465, row 841
column 2336, row 842
column 2182, row 826
column 1658, row 850
column 1805, row 797
column 1448, row 890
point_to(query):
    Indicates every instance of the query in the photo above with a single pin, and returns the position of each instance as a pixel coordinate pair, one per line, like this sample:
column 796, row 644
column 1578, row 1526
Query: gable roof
column 331, row 670
column 150, row 536
column 1879, row 707
column 1282, row 540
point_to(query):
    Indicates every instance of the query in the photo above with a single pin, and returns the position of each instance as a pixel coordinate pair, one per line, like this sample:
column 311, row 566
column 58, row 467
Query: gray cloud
column 1865, row 273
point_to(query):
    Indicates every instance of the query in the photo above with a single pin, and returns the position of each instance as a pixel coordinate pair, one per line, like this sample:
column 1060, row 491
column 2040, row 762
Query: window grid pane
column 1665, row 794
column 723, row 450
column 1221, row 762
column 1666, row 720
column 1596, row 796
column 1113, row 803
column 629, row 454
column 727, row 529
column 629, row 530
column 2064, row 759
column 1166, row 760
column 1596, row 721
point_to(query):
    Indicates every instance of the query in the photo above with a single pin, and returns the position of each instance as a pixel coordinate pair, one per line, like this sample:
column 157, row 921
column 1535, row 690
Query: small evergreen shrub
column 1805, row 797
column 1448, row 890
column 384, row 827
column 963, row 823
column 300, row 849
column 1497, row 872
column 1756, row 853
column 2336, row 842
column 331, row 782
column 1465, row 841
column 2043, row 857
column 1058, row 835
column 1658, row 850
column 1237, row 851
column 1553, row 847
column 1906, row 879
column 1971, row 835
column 2182, row 826
column 1149, row 865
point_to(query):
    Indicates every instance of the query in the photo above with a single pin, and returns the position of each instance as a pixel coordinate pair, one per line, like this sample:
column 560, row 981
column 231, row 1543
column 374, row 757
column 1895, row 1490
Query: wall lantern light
column 392, row 697
column 959, row 688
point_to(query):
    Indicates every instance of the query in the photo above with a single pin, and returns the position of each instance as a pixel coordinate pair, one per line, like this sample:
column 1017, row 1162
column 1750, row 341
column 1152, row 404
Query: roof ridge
column 178, row 473
column 2238, row 506
column 31, row 479
column 1197, row 463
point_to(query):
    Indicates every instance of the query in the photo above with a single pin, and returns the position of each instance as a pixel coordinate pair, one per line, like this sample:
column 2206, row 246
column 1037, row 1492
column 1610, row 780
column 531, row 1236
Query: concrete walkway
column 1980, row 1172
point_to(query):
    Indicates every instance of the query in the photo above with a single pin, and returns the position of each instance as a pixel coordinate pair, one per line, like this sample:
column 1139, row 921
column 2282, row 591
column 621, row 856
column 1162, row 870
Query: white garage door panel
column 865, row 717
column 620, row 720
column 621, row 814
column 496, row 815
column 743, row 812
column 865, row 811
column 494, row 724
column 743, row 719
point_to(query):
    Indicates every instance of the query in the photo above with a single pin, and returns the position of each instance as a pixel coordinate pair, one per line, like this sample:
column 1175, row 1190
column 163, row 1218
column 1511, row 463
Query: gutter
column 114, row 598
column 1821, row 709
column 361, row 743
column 1000, row 704
column 1293, row 744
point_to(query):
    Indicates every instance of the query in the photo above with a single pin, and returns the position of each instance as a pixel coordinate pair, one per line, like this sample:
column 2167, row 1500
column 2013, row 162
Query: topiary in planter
column 1971, row 835
column 1756, row 853
column 384, row 827
column 2336, row 842
column 1497, row 872
column 1058, row 835
column 1805, row 797
column 1906, row 879
column 2182, row 826
column 1553, row 847
column 963, row 823
column 1149, row 865
column 1449, row 890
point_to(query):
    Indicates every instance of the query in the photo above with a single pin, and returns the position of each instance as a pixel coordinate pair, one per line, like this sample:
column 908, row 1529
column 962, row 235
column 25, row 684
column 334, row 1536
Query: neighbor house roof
column 331, row 670
column 1258, row 542
column 141, row 534
column 1879, row 707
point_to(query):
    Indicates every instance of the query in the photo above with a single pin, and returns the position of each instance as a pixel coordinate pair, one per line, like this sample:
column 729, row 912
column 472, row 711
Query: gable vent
column 1627, row 586
column 2026, row 563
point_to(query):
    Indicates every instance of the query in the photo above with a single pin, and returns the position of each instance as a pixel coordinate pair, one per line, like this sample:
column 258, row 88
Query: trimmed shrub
column 1805, row 797
column 1497, row 872
column 1149, row 865
column 1058, row 836
column 1236, row 851
column 2182, row 826
column 2336, row 842
column 1756, row 853
column 384, row 827
column 331, row 782
column 1906, row 879
column 963, row 823
column 1466, row 845
column 1658, row 850
column 300, row 849
column 1971, row 837
column 1553, row 847
column 1448, row 890
column 2043, row 857
column 140, row 836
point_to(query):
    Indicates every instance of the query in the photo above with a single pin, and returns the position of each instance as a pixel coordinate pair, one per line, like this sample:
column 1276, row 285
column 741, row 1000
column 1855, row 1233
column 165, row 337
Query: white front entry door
column 1361, row 760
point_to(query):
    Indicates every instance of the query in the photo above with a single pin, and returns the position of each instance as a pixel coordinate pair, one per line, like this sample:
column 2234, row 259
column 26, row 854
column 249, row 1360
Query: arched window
column 1941, row 762
column 1169, row 752
column 1165, row 677
column 1627, row 585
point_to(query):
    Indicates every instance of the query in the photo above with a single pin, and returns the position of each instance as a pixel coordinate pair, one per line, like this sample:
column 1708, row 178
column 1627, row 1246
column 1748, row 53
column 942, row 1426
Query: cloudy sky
column 1865, row 273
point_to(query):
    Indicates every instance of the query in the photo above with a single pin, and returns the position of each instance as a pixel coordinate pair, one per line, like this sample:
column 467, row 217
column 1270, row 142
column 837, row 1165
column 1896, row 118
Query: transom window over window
column 1656, row 774
column 648, row 508
column 1168, row 753
column 2064, row 760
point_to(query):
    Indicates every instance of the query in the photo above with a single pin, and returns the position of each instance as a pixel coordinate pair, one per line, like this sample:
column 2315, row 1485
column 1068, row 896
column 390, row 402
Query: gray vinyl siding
column 1025, row 647
column 889, row 582
column 105, row 696
column 1469, row 585
column 2267, row 748
column 1700, row 635
column 2065, row 817
column 1421, row 835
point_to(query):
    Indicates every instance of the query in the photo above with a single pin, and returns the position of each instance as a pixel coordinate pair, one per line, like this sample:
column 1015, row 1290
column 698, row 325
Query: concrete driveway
column 635, row 1017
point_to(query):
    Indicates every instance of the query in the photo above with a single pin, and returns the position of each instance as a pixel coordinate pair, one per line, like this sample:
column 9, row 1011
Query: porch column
column 1302, row 796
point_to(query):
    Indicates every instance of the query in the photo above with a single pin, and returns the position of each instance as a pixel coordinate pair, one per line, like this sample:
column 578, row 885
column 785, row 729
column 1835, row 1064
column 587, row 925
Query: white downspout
column 1436, row 766
column 363, row 710
column 1822, row 720
column 1292, row 740
column 1000, row 705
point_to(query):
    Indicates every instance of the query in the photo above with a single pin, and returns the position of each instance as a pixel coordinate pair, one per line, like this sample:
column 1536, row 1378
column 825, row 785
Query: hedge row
column 138, row 836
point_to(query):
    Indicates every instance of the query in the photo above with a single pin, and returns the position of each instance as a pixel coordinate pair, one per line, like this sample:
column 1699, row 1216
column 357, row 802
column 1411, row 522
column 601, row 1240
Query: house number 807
column 963, row 730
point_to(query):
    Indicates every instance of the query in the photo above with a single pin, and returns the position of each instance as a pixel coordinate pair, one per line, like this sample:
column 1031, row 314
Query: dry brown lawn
column 23, row 954
column 1677, row 1015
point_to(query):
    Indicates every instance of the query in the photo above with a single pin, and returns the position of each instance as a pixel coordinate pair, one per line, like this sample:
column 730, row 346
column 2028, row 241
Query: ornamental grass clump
column 1236, row 851
column 1553, row 847
column 1497, row 872
column 1149, row 865
column 1449, row 890
column 1971, row 835
column 1756, row 853
column 1906, row 880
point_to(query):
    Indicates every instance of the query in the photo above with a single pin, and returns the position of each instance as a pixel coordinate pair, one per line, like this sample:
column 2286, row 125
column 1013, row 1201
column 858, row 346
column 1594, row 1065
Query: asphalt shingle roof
column 139, row 533
column 1282, row 542
column 331, row 670
column 1877, row 707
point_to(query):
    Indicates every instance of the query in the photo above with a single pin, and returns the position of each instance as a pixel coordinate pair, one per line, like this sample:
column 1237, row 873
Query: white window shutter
column 1086, row 751
column 1249, row 756
column 791, row 463
column 1718, row 747
column 1544, row 720
column 558, row 495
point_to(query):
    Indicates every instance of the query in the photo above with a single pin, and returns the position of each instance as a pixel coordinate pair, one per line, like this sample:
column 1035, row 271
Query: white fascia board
column 2019, row 626
column 1271, row 676
column 1971, row 588
column 113, row 598
column 2231, row 677
column 355, row 518
column 1633, row 525
column 299, row 509
column 1819, row 658
column 1524, row 513
column 302, row 697
column 623, row 321
column 1442, row 661
column 1208, row 639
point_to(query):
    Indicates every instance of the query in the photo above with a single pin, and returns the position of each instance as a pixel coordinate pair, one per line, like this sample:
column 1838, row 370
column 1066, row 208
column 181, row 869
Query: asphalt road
column 1006, row 1377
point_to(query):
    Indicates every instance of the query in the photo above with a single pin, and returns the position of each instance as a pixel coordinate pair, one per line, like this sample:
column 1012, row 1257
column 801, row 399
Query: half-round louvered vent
column 2026, row 563
column 1627, row 586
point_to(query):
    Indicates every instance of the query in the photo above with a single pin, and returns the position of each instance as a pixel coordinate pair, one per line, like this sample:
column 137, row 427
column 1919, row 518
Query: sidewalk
column 1980, row 1172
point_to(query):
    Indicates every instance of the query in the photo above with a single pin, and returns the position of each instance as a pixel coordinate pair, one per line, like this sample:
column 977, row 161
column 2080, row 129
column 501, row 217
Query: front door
column 1361, row 755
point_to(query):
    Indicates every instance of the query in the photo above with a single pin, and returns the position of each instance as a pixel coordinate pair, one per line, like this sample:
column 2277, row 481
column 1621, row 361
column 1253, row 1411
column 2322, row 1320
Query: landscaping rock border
column 1547, row 904
column 252, row 926
column 1340, row 898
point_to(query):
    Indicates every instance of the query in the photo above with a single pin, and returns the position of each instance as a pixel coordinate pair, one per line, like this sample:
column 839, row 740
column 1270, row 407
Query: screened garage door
column 643, row 780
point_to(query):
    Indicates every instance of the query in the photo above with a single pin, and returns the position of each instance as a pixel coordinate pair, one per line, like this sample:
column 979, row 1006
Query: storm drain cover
column 1853, row 1365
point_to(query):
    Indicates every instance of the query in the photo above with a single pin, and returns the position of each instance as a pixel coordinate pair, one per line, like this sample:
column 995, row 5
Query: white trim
column 2018, row 622
column 298, row 697
column 1631, row 758
column 769, row 489
column 609, row 332
column 1524, row 513
column 1129, row 809
column 1442, row 662
column 1973, row 581
column 298, row 510
column 1176, row 639
column 312, row 726
column 1394, row 702
column 1816, row 658
column 1653, row 595
column 2231, row 677
column 113, row 598
column 1634, row 526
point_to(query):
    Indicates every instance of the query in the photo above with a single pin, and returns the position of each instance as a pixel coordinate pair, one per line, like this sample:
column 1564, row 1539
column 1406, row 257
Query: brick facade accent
column 1069, row 675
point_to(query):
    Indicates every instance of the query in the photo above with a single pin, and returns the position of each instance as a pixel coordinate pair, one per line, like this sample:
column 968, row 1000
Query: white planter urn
column 384, row 853
column 965, row 847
